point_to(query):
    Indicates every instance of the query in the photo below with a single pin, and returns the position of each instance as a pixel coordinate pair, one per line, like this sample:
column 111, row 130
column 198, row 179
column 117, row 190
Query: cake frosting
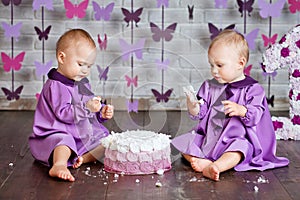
column 137, row 152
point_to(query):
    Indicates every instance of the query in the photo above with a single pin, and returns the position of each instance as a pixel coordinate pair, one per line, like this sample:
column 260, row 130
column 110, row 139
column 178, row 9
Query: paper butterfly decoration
column 162, row 3
column 76, row 10
column 42, row 68
column 250, row 37
column 15, row 2
column 245, row 6
column 42, row 34
column 128, row 49
column 270, row 100
column 165, row 34
column 132, row 16
column 220, row 3
column 247, row 70
column 102, row 43
column 162, row 97
column 102, row 73
column 215, row 31
column 131, row 81
column 10, row 95
column 39, row 3
column 265, row 74
column 270, row 9
column 269, row 41
column 294, row 6
column 12, row 30
column 191, row 12
column 162, row 65
column 102, row 12
column 132, row 106
column 12, row 63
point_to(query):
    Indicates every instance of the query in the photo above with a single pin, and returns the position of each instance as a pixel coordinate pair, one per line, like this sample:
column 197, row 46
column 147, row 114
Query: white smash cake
column 137, row 152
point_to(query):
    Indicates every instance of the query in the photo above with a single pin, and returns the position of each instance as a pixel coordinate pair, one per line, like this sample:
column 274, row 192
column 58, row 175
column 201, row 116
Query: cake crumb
column 137, row 181
column 158, row 184
column 160, row 172
column 256, row 189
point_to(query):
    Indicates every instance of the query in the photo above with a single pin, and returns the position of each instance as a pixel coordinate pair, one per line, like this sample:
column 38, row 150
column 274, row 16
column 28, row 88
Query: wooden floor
column 23, row 178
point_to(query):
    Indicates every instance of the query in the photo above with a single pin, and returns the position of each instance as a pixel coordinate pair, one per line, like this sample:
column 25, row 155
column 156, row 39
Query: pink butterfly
column 162, row 3
column 162, row 97
column 162, row 65
column 220, row 3
column 39, row 3
column 102, row 43
column 10, row 95
column 165, row 34
column 250, row 37
column 215, row 30
column 131, row 81
column 15, row 2
column 128, row 49
column 294, row 6
column 132, row 106
column 268, row 41
column 76, row 10
column 132, row 16
column 12, row 63
column 270, row 9
column 102, row 12
column 12, row 30
column 102, row 73
column 37, row 96
column 42, row 34
column 42, row 68
column 247, row 70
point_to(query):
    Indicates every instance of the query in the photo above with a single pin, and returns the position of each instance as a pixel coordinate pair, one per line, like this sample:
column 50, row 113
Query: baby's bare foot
column 62, row 172
column 78, row 162
column 212, row 171
column 198, row 164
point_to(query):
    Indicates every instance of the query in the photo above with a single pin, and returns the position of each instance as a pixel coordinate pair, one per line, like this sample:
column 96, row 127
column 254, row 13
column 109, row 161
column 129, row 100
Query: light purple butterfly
column 42, row 68
column 162, row 65
column 220, row 3
column 250, row 37
column 12, row 30
column 132, row 106
column 128, row 49
column 48, row 4
column 266, row 74
column 102, row 12
column 270, row 9
column 102, row 73
column 162, row 3
column 165, row 34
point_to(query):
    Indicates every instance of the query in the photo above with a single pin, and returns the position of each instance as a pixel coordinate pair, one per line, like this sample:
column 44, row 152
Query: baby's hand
column 234, row 109
column 107, row 111
column 94, row 104
column 193, row 106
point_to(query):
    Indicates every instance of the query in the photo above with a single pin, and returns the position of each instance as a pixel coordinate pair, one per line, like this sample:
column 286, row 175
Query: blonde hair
column 231, row 37
column 71, row 38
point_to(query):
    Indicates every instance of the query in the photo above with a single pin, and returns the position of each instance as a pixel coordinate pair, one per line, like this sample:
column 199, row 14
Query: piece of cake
column 137, row 152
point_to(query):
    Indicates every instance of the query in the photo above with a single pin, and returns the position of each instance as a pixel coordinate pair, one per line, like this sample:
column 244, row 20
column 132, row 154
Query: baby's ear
column 242, row 62
column 61, row 57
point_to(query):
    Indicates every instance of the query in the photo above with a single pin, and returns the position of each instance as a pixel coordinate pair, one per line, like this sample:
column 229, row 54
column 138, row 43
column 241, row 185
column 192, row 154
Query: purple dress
column 61, row 118
column 215, row 134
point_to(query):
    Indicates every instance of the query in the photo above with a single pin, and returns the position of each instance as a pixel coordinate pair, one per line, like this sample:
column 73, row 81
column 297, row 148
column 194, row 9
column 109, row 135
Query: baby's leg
column 59, row 169
column 198, row 164
column 227, row 161
column 91, row 156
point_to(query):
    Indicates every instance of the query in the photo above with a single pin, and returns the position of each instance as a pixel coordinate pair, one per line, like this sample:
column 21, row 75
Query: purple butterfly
column 270, row 9
column 250, row 37
column 132, row 16
column 42, row 34
column 165, row 34
column 128, row 49
column 162, row 65
column 162, row 3
column 191, row 12
column 102, row 12
column 15, row 2
column 245, row 6
column 273, row 74
column 270, row 100
column 102, row 73
column 132, row 106
column 42, row 68
column 162, row 97
column 220, row 3
column 12, row 95
column 12, row 30
column 215, row 30
column 39, row 3
column 277, row 125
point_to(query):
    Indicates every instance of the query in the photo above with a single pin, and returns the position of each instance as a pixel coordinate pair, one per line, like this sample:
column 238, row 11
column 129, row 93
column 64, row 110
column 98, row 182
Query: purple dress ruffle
column 215, row 134
column 62, row 119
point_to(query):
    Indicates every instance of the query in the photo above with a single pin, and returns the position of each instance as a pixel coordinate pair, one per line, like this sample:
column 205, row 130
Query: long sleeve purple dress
column 215, row 134
column 62, row 119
